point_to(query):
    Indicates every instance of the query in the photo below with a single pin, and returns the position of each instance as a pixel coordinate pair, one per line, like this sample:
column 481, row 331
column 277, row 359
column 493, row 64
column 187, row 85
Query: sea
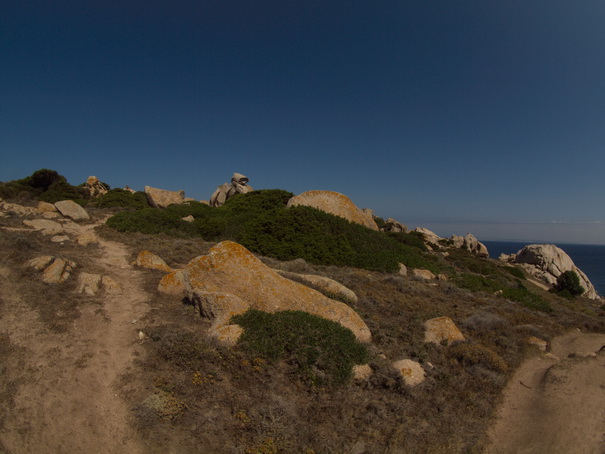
column 589, row 258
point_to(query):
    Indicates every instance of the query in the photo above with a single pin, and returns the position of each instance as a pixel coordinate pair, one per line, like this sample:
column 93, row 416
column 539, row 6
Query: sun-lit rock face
column 441, row 329
column 230, row 268
column 334, row 203
column 411, row 371
column 547, row 262
column 146, row 259
column 161, row 198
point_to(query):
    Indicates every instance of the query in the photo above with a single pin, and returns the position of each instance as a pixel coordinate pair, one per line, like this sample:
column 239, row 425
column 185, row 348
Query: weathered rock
column 58, row 272
column 429, row 236
column 17, row 209
column 441, row 329
column 324, row 284
column 470, row 243
column 89, row 283
column 218, row 307
column 547, row 262
column 110, row 285
column 231, row 268
column 175, row 283
column 71, row 209
column 362, row 372
column 146, row 259
column 86, row 238
column 238, row 185
column 334, row 203
column 161, row 198
column 95, row 187
column 60, row 239
column 391, row 225
column 39, row 263
column 412, row 372
column 189, row 218
column 46, row 226
column 423, row 274
column 403, row 270
column 227, row 335
column 540, row 343
column 45, row 207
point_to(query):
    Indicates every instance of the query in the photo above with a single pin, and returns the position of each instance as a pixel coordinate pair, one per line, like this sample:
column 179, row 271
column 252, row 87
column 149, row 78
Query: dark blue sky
column 482, row 116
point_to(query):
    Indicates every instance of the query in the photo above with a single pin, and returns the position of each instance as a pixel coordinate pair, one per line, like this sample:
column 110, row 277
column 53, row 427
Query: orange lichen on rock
column 441, row 329
column 231, row 268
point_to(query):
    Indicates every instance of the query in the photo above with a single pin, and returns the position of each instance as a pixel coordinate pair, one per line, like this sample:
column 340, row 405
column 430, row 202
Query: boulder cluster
column 547, row 262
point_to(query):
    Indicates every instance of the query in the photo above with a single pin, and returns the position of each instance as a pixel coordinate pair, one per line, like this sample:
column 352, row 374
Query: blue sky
column 460, row 116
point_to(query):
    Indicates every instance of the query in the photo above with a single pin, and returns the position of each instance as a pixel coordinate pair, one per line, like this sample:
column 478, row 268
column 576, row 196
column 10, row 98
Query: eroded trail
column 555, row 405
column 69, row 399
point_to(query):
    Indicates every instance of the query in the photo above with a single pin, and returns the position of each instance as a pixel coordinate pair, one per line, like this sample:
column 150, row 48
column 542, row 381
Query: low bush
column 569, row 282
column 473, row 354
column 477, row 283
column 122, row 199
column 528, row 299
column 323, row 351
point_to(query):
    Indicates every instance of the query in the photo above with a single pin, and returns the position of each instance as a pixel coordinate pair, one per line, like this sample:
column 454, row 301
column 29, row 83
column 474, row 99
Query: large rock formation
column 161, row 198
column 470, row 243
column 95, row 187
column 392, row 225
column 238, row 185
column 429, row 236
column 336, row 204
column 231, row 269
column 547, row 262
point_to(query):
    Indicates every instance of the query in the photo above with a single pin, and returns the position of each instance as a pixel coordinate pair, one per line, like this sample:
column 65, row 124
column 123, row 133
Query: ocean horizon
column 589, row 258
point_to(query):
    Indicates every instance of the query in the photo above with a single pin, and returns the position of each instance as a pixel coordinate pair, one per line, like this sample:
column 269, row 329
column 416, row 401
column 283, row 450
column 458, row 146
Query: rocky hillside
column 258, row 326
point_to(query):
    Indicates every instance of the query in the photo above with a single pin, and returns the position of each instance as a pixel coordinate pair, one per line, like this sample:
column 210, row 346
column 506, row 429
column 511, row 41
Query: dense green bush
column 122, row 199
column 569, row 281
column 260, row 221
column 46, row 185
column 323, row 351
column 477, row 283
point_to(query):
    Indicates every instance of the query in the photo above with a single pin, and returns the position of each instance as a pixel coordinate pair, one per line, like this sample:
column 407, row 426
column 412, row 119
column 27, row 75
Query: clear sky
column 482, row 116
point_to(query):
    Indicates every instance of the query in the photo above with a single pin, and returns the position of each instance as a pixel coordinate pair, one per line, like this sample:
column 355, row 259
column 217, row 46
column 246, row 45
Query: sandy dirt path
column 555, row 405
column 69, row 398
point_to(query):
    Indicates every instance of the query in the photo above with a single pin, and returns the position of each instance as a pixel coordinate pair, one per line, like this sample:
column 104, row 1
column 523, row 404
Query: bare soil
column 555, row 405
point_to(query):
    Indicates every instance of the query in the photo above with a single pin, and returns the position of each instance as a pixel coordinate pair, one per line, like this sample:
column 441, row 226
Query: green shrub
column 569, row 281
column 528, row 299
column 477, row 283
column 323, row 351
column 259, row 221
column 122, row 199
column 516, row 272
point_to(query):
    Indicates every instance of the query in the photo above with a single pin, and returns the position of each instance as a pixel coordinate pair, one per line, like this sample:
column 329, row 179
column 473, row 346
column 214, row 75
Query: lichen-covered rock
column 161, row 198
column 547, row 262
column 336, row 204
column 95, row 187
column 89, row 283
column 86, row 238
column 238, row 185
column 362, row 372
column 45, row 207
column 411, row 371
column 58, row 271
column 175, row 283
column 71, row 209
column 324, row 284
column 422, row 274
column 110, row 285
column 39, row 263
column 231, row 268
column 441, row 329
column 146, row 259
column 392, row 225
column 540, row 343
column 227, row 335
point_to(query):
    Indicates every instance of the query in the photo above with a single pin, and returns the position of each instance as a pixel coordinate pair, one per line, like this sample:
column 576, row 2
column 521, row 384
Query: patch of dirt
column 555, row 405
column 66, row 394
